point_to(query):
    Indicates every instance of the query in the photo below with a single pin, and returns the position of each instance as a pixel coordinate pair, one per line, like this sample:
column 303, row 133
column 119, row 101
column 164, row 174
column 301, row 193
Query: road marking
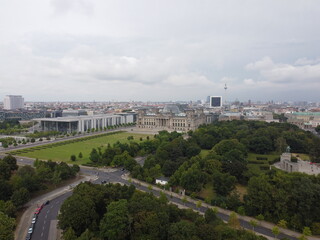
column 42, row 234
column 46, row 216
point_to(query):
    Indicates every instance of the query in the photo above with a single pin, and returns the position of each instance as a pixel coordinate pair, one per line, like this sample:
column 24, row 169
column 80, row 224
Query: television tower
column 225, row 96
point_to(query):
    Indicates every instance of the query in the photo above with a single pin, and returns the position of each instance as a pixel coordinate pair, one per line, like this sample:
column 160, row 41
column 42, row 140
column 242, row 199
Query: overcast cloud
column 85, row 50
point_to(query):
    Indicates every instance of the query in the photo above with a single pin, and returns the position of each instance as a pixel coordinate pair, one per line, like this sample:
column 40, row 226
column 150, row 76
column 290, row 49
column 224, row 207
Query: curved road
column 49, row 213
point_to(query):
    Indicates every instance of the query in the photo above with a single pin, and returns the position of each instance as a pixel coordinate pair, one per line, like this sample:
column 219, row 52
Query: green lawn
column 242, row 190
column 207, row 192
column 204, row 152
column 256, row 167
column 63, row 152
column 304, row 157
column 253, row 156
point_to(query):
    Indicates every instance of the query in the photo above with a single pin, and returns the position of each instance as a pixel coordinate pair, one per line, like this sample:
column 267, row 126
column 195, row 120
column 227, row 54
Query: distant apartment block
column 21, row 114
column 304, row 120
column 73, row 113
column 12, row 102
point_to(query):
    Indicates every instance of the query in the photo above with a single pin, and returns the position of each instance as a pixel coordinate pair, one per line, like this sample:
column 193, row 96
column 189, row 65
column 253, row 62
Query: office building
column 12, row 102
column 215, row 101
column 21, row 114
column 84, row 123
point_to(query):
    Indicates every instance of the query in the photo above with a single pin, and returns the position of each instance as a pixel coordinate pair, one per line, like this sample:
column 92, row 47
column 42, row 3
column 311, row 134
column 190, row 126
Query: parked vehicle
column 30, row 230
column 37, row 211
column 28, row 237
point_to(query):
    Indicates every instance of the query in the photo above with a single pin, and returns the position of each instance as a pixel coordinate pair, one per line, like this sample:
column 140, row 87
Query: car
column 37, row 211
column 104, row 181
column 33, row 221
column 47, row 202
column 30, row 230
column 28, row 237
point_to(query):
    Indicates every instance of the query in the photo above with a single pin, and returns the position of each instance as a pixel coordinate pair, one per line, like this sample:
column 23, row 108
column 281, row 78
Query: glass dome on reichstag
column 171, row 108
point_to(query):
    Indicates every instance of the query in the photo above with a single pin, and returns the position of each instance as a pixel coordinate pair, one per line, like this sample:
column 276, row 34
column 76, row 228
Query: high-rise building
column 215, row 101
column 12, row 102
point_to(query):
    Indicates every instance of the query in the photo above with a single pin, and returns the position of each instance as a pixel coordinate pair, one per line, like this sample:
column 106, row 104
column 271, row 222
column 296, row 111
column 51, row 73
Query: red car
column 37, row 211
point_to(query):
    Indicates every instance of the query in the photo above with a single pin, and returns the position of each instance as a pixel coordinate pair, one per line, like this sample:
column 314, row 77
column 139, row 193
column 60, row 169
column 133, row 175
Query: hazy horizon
column 82, row 50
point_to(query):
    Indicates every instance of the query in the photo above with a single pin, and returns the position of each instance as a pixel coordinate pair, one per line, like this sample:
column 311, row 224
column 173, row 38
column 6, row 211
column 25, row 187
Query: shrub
column 277, row 159
column 264, row 167
column 254, row 162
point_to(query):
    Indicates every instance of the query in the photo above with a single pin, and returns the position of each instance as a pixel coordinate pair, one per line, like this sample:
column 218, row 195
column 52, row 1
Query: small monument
column 288, row 149
column 285, row 162
column 294, row 164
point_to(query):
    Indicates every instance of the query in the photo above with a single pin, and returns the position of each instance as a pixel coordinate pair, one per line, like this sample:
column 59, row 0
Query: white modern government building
column 11, row 102
column 84, row 123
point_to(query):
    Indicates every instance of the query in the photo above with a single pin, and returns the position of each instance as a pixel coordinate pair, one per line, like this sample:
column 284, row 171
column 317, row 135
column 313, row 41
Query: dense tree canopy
column 17, row 185
column 120, row 212
column 282, row 196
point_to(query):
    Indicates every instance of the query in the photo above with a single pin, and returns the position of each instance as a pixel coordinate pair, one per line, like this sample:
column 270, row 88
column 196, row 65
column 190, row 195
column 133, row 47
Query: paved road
column 47, row 215
column 42, row 229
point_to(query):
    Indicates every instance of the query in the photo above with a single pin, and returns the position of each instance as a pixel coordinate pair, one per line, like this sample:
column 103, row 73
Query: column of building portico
column 80, row 126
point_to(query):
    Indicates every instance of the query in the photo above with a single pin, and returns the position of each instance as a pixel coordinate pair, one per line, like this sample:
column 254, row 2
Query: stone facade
column 287, row 165
column 190, row 119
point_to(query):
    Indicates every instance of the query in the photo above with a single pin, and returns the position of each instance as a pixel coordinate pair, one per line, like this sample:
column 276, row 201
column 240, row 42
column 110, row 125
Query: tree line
column 17, row 184
column 116, row 212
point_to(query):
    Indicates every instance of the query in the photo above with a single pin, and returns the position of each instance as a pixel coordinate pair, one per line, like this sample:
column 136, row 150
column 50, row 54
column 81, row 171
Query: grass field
column 63, row 152
column 258, row 166
column 304, row 157
column 242, row 190
column 204, row 152
column 207, row 192
column 254, row 156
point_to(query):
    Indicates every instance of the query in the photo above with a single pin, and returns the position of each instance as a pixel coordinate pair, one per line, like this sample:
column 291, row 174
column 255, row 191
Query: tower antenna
column 225, row 95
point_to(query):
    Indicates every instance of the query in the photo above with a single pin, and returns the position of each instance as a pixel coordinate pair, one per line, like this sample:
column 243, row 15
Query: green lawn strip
column 242, row 190
column 63, row 152
column 254, row 156
column 204, row 152
column 303, row 156
column 255, row 168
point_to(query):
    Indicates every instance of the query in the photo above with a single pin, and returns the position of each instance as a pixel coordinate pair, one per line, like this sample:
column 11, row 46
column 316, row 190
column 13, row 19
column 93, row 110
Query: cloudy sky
column 85, row 50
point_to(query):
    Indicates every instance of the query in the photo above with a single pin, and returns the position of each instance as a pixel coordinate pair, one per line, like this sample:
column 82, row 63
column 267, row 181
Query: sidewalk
column 22, row 226
column 220, row 210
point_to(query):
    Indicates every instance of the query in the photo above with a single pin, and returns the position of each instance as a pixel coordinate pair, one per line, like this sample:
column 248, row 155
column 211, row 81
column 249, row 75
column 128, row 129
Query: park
column 62, row 151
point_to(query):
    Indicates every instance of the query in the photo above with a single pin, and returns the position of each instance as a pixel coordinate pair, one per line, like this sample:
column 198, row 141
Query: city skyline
column 69, row 50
